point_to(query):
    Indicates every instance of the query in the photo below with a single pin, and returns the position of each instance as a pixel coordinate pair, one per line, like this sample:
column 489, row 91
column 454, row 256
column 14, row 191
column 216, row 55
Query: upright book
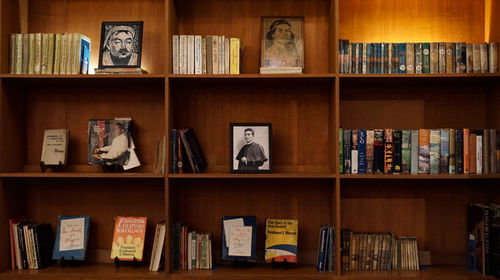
column 71, row 238
column 239, row 238
column 281, row 240
column 128, row 238
column 55, row 146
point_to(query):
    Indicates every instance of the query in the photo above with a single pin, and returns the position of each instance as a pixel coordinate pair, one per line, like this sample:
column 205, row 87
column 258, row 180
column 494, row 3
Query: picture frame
column 250, row 149
column 121, row 44
column 282, row 41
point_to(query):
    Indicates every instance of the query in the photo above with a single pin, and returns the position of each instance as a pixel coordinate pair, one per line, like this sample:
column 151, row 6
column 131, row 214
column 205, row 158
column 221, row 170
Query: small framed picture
column 282, row 42
column 250, row 148
column 121, row 45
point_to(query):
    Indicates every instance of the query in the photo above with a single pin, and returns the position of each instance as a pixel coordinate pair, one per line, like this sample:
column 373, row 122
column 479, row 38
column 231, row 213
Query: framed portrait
column 282, row 42
column 121, row 45
column 250, row 148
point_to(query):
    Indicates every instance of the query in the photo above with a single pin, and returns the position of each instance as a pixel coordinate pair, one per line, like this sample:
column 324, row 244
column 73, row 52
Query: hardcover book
column 434, row 58
column 424, row 151
column 486, row 151
column 397, row 151
column 322, row 248
column 434, row 144
column 469, row 59
column 347, row 151
column 419, row 58
column 410, row 58
column 476, row 58
column 128, row 238
column 459, row 150
column 362, row 151
column 388, row 151
column 493, row 148
column 406, row 151
column 369, row 151
column 378, row 152
column 483, row 50
column 44, row 244
column 472, row 153
column 426, row 58
column 414, row 151
column 402, row 58
column 452, row 160
column 239, row 238
column 193, row 150
column 55, row 146
column 449, row 58
column 479, row 154
column 442, row 57
column 445, row 151
column 354, row 151
column 493, row 52
column 281, row 240
column 341, row 150
column 465, row 140
column 71, row 238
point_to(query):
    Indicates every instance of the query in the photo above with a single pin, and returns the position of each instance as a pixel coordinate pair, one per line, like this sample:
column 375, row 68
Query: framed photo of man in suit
column 250, row 148
column 121, row 45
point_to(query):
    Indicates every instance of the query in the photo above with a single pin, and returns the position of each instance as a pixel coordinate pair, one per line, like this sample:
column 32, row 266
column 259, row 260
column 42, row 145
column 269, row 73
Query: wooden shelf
column 90, row 76
column 416, row 76
column 254, row 176
column 419, row 176
column 432, row 272
column 131, row 175
column 86, row 271
column 254, row 76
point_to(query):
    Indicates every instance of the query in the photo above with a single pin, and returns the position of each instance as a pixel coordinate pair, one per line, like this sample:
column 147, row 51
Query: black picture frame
column 134, row 30
column 235, row 147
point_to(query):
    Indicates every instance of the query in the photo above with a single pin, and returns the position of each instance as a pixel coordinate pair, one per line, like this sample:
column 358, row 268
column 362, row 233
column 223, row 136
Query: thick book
column 354, row 151
column 419, row 58
column 234, row 60
column 449, row 58
column 370, row 137
column 479, row 153
column 402, row 58
column 341, row 150
column 424, row 151
column 442, row 57
column 414, row 151
column 193, row 150
column 445, row 151
column 44, row 244
column 410, row 58
column 55, row 146
column 486, row 152
column 190, row 54
column 483, row 50
column 38, row 54
column 362, row 151
column 239, row 238
column 434, row 58
column 459, row 151
column 378, row 151
column 128, row 238
column 71, row 238
column 25, row 53
column 197, row 55
column 18, row 57
column 465, row 140
column 388, row 151
column 406, row 151
column 472, row 152
column 394, row 58
column 397, row 151
column 452, row 160
column 493, row 58
column 322, row 248
column 476, row 58
column 426, row 64
column 175, row 54
column 347, row 151
column 281, row 240
column 158, row 246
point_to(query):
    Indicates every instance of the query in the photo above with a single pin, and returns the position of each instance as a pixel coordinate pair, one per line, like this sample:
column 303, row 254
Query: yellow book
column 69, row 53
column 19, row 54
column 57, row 54
column 128, row 238
column 281, row 240
column 50, row 53
column 31, row 55
column 38, row 53
column 235, row 56
column 45, row 53
column 64, row 51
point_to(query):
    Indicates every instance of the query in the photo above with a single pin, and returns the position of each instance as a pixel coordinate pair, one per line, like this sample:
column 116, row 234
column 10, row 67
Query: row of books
column 187, row 155
column 49, row 53
column 213, row 54
column 378, row 251
column 326, row 249
column 483, row 241
column 417, row 58
column 192, row 249
column 422, row 151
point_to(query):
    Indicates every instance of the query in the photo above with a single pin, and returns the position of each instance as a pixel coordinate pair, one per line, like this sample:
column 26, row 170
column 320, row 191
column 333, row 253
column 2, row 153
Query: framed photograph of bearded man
column 250, row 148
column 121, row 44
column 282, row 42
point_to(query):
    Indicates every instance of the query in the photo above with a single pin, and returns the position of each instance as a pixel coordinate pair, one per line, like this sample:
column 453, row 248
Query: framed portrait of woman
column 282, row 42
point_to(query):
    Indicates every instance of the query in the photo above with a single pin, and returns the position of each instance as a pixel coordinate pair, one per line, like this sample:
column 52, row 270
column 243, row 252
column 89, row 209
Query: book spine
column 190, row 54
column 18, row 68
column 449, row 57
column 353, row 59
column 234, row 60
column 50, row 55
column 406, row 151
column 173, row 142
column 419, row 59
column 410, row 58
column 445, row 151
column 424, row 151
column 493, row 154
column 466, row 150
column 209, row 46
column 57, row 54
column 388, row 151
column 463, row 58
column 180, row 163
column 70, row 53
column 434, row 145
column 25, row 54
column 493, row 51
column 365, row 59
column 402, row 58
column 389, row 58
column 362, row 152
column 221, row 54
column 12, row 53
column 320, row 264
column 183, row 54
column 459, row 149
column 452, row 161
column 64, row 48
column 476, row 58
column 369, row 151
column 45, row 53
column 395, row 58
column 414, row 152
column 378, row 151
column 397, row 151
column 479, row 154
column 442, row 57
column 486, row 151
column 434, row 58
column 197, row 55
column 75, row 59
column 341, row 150
column 347, row 151
column 483, row 50
column 472, row 153
column 215, row 54
column 426, row 58
column 469, row 65
column 354, row 151
column 458, row 58
column 203, row 56
column 175, row 54
column 341, row 56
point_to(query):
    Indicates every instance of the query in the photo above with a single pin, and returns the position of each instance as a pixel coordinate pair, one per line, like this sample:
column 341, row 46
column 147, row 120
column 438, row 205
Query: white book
column 197, row 55
column 221, row 54
column 17, row 251
column 34, row 257
column 55, row 146
column 189, row 250
column 175, row 54
column 483, row 50
column 364, row 58
column 183, row 53
column 203, row 56
column 354, row 162
column 64, row 54
column 190, row 54
column 226, row 55
column 70, row 52
column 158, row 247
column 215, row 54
column 389, row 56
column 479, row 154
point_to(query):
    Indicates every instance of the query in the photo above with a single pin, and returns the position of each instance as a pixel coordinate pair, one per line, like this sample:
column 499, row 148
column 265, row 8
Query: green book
column 341, row 150
column 406, row 151
column 427, row 58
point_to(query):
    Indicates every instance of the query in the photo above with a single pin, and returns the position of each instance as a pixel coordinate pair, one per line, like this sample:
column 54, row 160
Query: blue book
column 378, row 65
column 238, row 221
column 84, row 54
column 331, row 249
column 323, row 232
column 382, row 58
column 360, row 58
column 402, row 58
column 362, row 151
column 72, row 238
column 369, row 58
column 173, row 143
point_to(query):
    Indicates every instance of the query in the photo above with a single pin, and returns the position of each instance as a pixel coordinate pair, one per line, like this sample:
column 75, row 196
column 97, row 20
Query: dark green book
column 427, row 58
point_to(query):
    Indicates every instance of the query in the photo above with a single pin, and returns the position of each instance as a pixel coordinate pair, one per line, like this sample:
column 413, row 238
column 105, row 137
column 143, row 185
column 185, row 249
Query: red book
column 472, row 153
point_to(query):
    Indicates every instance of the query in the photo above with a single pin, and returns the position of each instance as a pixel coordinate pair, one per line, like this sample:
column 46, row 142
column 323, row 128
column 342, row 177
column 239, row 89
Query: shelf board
column 89, row 76
column 416, row 76
column 419, row 176
column 261, row 271
column 432, row 272
column 261, row 176
column 254, row 76
column 135, row 175
column 94, row 271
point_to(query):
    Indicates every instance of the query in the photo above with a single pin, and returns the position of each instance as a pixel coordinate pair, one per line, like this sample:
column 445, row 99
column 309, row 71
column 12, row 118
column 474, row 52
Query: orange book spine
column 472, row 153
column 424, row 151
column 466, row 151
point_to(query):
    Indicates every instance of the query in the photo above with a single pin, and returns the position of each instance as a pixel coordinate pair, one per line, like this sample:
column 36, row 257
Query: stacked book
column 378, row 251
column 422, row 151
column 194, row 54
column 31, row 244
column 186, row 152
column 49, row 53
column 191, row 250
column 417, row 58
column 326, row 249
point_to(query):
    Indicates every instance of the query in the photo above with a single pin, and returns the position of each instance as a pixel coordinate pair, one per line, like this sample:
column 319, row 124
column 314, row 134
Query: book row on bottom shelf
column 422, row 151
column 35, row 246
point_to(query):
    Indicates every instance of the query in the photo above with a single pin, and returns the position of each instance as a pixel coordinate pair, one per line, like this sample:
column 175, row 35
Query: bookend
column 71, row 263
column 111, row 168
column 242, row 263
column 134, row 263
column 53, row 167
column 283, row 265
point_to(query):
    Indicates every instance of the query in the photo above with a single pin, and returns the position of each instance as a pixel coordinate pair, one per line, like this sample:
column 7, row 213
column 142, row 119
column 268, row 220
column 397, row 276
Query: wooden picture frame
column 121, row 44
column 250, row 149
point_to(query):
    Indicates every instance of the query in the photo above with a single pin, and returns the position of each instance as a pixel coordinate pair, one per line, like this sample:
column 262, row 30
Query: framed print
column 282, row 42
column 250, row 148
column 121, row 45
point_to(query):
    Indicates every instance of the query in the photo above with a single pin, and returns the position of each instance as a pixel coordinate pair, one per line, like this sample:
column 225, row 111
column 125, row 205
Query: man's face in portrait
column 121, row 44
column 118, row 130
column 248, row 136
column 282, row 33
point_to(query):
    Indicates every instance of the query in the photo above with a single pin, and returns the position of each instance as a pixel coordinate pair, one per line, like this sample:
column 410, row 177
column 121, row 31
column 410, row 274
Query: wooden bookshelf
column 306, row 111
